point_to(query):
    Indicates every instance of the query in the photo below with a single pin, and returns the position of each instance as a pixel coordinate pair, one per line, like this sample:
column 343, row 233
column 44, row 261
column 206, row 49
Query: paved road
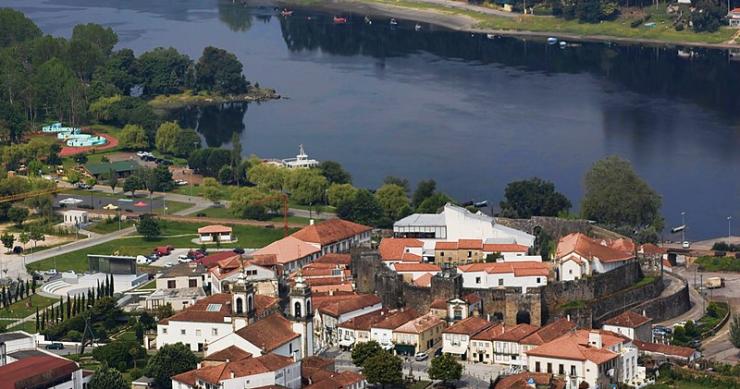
column 471, row 7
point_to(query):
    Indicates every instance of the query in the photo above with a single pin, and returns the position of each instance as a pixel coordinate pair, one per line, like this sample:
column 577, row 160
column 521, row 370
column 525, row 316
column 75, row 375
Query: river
column 471, row 112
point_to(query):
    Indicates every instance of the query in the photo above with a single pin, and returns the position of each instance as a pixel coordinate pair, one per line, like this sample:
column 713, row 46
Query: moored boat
column 286, row 12
column 340, row 20
column 552, row 40
column 394, row 22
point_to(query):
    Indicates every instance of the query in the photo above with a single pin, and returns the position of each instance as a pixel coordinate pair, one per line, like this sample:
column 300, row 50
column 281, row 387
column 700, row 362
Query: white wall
column 470, row 280
column 570, row 270
column 455, row 343
column 180, row 282
column 381, row 335
column 194, row 333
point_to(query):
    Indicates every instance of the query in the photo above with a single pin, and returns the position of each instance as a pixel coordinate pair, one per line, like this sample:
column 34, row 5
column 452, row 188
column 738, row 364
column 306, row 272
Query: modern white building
column 75, row 217
column 579, row 255
column 269, row 370
column 599, row 358
column 455, row 223
column 522, row 275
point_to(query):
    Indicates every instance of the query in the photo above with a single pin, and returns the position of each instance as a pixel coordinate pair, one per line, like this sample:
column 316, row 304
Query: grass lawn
column 708, row 263
column 663, row 29
column 20, row 309
column 419, row 385
column 315, row 208
column 225, row 213
column 176, row 206
column 29, row 326
column 177, row 234
column 106, row 227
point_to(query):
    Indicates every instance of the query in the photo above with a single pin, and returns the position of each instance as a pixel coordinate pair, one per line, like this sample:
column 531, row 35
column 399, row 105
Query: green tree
column 8, row 239
column 424, row 190
column 362, row 351
column 186, row 143
column 166, row 137
column 445, row 368
column 383, row 369
column 433, row 203
column 707, row 15
column 267, row 176
column 615, row 195
column 36, row 235
column 339, row 193
column 132, row 184
column 107, row 378
column 392, row 198
column 335, row 173
column 306, row 186
column 118, row 354
column 163, row 71
column 219, row 71
column 148, row 227
column 102, row 38
column 363, row 208
column 533, row 197
column 402, row 182
column 212, row 190
column 24, row 238
column 236, row 154
column 171, row 359
column 18, row 215
column 133, row 137
column 251, row 203
column 735, row 331
column 15, row 27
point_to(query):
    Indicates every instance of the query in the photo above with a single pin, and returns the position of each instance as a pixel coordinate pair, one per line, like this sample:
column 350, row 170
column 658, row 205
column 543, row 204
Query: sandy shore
column 468, row 24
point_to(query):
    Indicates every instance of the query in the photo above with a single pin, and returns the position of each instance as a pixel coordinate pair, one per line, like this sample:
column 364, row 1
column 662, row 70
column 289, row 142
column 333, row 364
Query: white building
column 506, row 347
column 334, row 235
column 229, row 270
column 75, row 217
column 332, row 310
column 544, row 335
column 456, row 338
column 632, row 325
column 455, row 223
column 599, row 358
column 273, row 334
column 301, row 161
column 504, row 274
column 215, row 233
column 182, row 276
column 262, row 371
column 357, row 330
column 578, row 256
column 382, row 331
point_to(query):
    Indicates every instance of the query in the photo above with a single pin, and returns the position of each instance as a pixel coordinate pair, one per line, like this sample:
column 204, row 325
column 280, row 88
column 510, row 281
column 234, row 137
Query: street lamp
column 683, row 224
column 729, row 229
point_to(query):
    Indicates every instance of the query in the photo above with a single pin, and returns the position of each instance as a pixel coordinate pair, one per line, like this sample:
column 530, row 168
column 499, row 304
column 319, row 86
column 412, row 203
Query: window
column 441, row 253
column 197, row 332
column 500, row 282
column 164, row 330
column 470, row 254
column 570, row 271
column 549, row 367
column 192, row 283
column 477, row 280
column 182, row 332
column 538, row 280
column 214, row 331
column 573, row 370
column 561, row 369
column 171, row 284
column 537, row 367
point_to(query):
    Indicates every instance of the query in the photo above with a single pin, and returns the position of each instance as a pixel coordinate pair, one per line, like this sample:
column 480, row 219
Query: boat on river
column 417, row 27
column 368, row 21
column 552, row 40
column 394, row 22
column 286, row 12
column 340, row 20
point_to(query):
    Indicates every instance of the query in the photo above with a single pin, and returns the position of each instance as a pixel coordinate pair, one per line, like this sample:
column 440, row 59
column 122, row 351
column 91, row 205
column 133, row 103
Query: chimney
column 310, row 222
column 594, row 339
column 643, row 313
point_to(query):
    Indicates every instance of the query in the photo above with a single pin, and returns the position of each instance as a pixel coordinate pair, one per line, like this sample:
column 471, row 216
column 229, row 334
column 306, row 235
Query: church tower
column 242, row 298
column 301, row 315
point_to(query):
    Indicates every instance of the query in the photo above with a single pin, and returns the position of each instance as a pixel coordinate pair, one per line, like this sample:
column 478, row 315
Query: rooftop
column 665, row 349
column 338, row 304
column 589, row 248
column 521, row 381
column 520, row 269
column 184, row 269
column 289, row 249
column 549, row 332
column 628, row 319
column 396, row 319
column 214, row 229
column 330, row 231
column 269, row 333
column 397, row 249
column 516, row 333
column 420, row 324
column 105, row 167
column 231, row 354
column 424, row 281
column 469, row 326
column 574, row 346
column 364, row 322
column 25, row 373
column 242, row 368
column 335, row 258
column 402, row 267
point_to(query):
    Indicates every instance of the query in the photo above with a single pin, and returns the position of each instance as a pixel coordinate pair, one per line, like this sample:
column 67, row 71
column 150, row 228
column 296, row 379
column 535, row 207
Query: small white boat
column 417, row 27
column 368, row 21
column 394, row 22
column 491, row 36
column 563, row 44
column 552, row 40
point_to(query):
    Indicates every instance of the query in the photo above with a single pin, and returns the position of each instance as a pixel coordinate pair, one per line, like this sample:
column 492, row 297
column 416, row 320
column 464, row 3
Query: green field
column 225, row 213
column 21, row 309
column 177, row 234
column 106, row 227
column 709, row 263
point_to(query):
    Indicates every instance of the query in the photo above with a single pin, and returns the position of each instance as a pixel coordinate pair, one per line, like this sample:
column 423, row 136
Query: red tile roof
column 519, row 269
column 337, row 304
column 212, row 260
column 445, row 246
column 490, row 333
column 395, row 249
column 589, row 248
column 269, row 333
column 469, row 326
column 330, row 231
column 472, row 298
column 470, row 244
column 288, row 249
column 335, row 258
column 439, row 304
column 505, row 248
column 199, row 312
column 424, row 281
column 402, row 267
column 338, row 380
column 364, row 322
column 396, row 319
column 214, row 229
column 651, row 249
column 549, row 332
column 521, row 381
column 36, row 372
column 516, row 333
column 231, row 354
column 243, row 368
column 627, row 319
column 665, row 349
column 477, row 244
column 420, row 324
column 574, row 346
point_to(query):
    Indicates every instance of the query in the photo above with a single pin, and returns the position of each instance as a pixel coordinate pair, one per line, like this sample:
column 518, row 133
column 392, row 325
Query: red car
column 163, row 250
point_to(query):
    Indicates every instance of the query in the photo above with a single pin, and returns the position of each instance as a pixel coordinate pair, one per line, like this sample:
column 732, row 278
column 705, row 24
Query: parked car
column 421, row 356
column 163, row 250
column 37, row 276
column 686, row 244
column 142, row 260
column 181, row 182
column 55, row 346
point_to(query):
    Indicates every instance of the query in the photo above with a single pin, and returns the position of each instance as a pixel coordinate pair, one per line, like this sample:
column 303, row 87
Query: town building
column 394, row 250
column 215, row 234
column 344, row 380
column 664, row 352
column 334, row 235
column 579, row 256
column 262, row 371
column 458, row 308
column 481, row 344
column 733, row 17
column 357, row 330
column 632, row 325
column 178, row 299
column 598, row 358
column 545, row 334
column 456, row 338
column 75, row 217
column 259, row 270
column 420, row 335
column 11, row 342
column 331, row 310
column 182, row 276
column 291, row 252
column 412, row 271
column 121, row 169
column 338, row 259
column 272, row 334
column 382, row 331
column 522, row 275
column 506, row 347
column 454, row 223
column 58, row 372
column 528, row 379
column 466, row 251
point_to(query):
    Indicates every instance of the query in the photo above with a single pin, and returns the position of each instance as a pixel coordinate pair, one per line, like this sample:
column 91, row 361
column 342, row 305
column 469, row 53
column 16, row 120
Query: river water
column 471, row 112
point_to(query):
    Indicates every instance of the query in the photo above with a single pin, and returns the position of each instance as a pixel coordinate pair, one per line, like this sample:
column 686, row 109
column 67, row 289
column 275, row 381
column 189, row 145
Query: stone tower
column 301, row 314
column 242, row 298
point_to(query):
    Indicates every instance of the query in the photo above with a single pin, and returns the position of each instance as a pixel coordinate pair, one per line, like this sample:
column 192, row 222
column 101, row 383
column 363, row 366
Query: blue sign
column 530, row 381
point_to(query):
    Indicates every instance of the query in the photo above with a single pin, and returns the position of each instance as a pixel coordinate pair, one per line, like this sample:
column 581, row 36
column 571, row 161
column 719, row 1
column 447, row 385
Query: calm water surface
column 472, row 113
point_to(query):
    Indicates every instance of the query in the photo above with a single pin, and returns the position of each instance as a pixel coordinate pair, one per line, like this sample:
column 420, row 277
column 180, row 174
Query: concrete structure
column 454, row 223
column 632, row 325
column 412, row 271
column 75, row 217
column 598, row 358
column 522, row 275
column 178, row 299
column 422, row 334
column 579, row 256
column 215, row 233
column 733, row 17
column 456, row 338
column 269, row 370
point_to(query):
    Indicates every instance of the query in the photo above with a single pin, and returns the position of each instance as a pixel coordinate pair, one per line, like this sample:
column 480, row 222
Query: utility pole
column 683, row 224
column 729, row 229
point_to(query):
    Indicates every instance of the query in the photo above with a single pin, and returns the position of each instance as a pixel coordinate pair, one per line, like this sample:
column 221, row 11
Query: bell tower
column 242, row 297
column 301, row 314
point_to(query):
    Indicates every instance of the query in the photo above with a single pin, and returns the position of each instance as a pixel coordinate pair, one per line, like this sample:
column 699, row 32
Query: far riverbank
column 483, row 20
column 187, row 98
